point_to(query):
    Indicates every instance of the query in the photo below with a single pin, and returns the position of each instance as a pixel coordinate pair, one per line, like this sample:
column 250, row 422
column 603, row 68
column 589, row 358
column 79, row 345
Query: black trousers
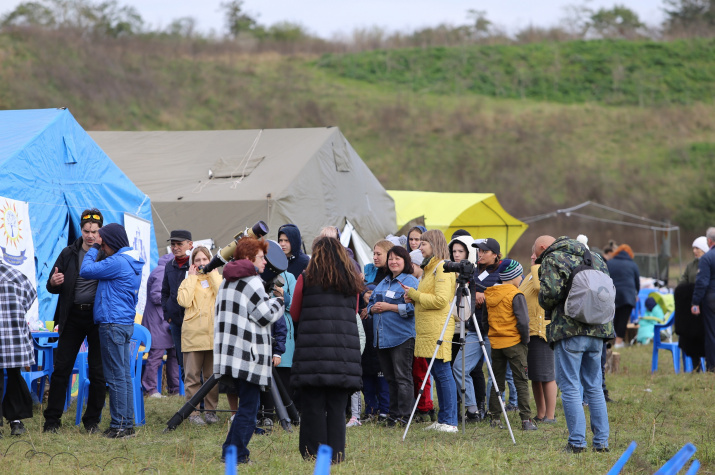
column 621, row 319
column 396, row 364
column 17, row 403
column 707, row 309
column 323, row 421
column 79, row 325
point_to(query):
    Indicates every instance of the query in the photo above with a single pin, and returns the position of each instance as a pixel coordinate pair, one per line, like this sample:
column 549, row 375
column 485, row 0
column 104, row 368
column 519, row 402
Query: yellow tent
column 478, row 213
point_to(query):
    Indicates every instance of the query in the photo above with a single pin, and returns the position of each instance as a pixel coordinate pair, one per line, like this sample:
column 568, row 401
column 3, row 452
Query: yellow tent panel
column 480, row 214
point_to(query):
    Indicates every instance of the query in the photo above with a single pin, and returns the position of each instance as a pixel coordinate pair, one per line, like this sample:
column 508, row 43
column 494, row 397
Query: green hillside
column 611, row 72
column 537, row 155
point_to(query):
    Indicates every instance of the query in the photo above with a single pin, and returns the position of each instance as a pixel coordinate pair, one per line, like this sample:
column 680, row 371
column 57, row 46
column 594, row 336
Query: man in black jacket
column 75, row 317
column 175, row 273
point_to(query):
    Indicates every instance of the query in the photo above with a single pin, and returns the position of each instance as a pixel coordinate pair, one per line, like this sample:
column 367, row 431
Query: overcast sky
column 326, row 18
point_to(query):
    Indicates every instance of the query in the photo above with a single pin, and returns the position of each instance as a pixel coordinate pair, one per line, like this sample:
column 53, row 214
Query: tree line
column 683, row 18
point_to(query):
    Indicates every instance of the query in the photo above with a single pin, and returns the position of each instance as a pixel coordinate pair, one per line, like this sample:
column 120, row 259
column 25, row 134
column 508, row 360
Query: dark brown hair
column 401, row 252
column 90, row 214
column 331, row 267
column 248, row 247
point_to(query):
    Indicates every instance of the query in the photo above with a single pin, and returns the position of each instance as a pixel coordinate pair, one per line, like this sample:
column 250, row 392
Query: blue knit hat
column 509, row 269
column 114, row 235
column 650, row 303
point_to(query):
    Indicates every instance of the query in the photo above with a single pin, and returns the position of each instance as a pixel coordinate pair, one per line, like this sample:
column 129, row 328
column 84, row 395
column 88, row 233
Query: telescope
column 224, row 255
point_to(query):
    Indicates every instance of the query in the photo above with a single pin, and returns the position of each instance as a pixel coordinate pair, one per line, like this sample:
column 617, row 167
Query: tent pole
column 680, row 254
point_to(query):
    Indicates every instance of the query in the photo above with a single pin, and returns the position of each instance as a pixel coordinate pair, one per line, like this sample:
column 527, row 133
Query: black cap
column 180, row 235
column 489, row 244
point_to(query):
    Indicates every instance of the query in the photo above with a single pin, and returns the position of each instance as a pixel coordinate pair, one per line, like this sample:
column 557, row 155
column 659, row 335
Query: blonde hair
column 436, row 239
column 384, row 244
column 198, row 249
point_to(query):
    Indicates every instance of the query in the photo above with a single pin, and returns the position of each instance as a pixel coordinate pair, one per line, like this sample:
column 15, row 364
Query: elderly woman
column 700, row 247
column 540, row 358
column 432, row 299
column 242, row 337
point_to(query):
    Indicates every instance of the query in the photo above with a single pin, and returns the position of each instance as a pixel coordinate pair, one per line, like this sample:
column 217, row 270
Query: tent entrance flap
column 361, row 248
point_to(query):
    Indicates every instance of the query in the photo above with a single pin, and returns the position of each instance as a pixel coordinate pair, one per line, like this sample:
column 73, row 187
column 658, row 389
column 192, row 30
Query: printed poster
column 17, row 248
column 139, row 234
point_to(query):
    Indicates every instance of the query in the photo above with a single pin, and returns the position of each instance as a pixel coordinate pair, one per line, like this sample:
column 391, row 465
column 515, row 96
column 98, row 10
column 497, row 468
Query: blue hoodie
column 119, row 276
column 298, row 261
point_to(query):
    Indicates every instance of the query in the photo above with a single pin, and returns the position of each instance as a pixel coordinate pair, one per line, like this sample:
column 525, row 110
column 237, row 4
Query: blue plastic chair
column 688, row 364
column 659, row 345
column 36, row 377
column 81, row 365
column 141, row 337
column 673, row 466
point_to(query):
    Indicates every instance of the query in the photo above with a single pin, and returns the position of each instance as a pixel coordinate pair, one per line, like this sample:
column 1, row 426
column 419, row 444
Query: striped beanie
column 509, row 269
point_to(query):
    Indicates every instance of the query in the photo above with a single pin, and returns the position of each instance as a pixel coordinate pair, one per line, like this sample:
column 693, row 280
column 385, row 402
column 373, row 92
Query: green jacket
column 557, row 263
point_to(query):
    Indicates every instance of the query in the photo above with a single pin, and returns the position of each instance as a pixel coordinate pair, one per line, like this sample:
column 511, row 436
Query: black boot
column 481, row 409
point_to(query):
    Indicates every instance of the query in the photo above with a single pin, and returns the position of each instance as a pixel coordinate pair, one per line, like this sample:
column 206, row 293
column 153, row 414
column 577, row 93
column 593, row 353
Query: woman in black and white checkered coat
column 242, row 337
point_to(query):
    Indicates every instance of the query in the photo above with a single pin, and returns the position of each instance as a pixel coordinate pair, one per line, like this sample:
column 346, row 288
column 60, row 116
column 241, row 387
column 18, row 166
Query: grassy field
column 661, row 412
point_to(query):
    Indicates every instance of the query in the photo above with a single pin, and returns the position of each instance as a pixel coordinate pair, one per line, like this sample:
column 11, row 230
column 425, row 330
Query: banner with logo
column 16, row 246
column 139, row 234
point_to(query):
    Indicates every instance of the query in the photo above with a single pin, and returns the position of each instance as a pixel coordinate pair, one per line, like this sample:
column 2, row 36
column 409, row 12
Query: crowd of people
column 334, row 333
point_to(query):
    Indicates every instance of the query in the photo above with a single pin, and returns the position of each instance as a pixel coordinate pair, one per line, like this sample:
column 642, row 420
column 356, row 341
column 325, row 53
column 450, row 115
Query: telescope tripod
column 462, row 291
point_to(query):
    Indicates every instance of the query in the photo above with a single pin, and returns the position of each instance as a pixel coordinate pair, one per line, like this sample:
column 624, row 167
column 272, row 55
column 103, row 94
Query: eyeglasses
column 92, row 216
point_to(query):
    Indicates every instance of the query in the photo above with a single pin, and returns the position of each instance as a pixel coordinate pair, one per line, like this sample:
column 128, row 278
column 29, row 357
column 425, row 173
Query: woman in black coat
column 626, row 279
column 326, row 363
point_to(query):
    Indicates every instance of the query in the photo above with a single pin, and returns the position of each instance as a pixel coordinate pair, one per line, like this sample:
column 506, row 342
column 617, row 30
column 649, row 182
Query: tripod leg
column 280, row 408
column 190, row 405
column 429, row 368
column 491, row 375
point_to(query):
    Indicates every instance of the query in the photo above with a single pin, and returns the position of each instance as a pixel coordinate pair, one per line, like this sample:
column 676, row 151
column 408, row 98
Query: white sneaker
column 231, row 419
column 446, row 428
column 156, row 395
column 354, row 422
column 433, row 426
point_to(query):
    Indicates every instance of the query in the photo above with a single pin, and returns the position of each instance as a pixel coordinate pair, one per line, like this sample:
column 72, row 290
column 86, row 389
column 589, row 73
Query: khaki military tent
column 478, row 213
column 216, row 183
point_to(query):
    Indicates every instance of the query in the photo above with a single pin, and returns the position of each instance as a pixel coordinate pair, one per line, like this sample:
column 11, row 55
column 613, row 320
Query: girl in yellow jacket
column 197, row 294
column 433, row 299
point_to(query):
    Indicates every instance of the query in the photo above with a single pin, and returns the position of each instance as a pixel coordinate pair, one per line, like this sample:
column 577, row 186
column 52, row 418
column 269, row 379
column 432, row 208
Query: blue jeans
column 577, row 361
column 472, row 355
column 116, row 362
column 509, row 380
column 377, row 394
column 446, row 392
column 241, row 430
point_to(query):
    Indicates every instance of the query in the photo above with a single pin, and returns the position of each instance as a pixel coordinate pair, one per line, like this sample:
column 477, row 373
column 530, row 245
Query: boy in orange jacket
column 508, row 319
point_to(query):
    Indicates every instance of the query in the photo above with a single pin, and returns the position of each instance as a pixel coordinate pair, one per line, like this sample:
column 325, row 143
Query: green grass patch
column 608, row 71
column 661, row 412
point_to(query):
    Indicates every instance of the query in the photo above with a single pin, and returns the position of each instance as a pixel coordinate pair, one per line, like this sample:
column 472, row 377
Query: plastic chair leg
column 676, row 359
column 678, row 461
column 654, row 363
column 687, row 364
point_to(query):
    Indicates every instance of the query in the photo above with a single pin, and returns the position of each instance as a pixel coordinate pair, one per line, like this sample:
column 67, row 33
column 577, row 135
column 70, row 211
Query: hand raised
column 57, row 278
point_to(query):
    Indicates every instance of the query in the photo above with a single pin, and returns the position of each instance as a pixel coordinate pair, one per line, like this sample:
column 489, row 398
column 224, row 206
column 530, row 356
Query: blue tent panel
column 48, row 160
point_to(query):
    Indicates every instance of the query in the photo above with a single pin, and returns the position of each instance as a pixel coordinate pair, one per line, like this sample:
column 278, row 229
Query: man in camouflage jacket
column 577, row 346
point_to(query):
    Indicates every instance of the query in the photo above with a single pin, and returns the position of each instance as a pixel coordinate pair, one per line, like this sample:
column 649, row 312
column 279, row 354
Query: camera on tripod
column 464, row 270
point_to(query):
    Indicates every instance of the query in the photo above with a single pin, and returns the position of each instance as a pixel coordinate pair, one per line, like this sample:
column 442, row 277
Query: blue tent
column 49, row 161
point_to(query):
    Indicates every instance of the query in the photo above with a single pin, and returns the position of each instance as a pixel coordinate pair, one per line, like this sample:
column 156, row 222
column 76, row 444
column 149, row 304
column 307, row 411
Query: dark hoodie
column 298, row 261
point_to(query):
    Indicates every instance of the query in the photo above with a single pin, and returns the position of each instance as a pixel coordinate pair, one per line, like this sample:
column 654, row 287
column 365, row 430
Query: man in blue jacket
column 115, row 302
column 704, row 297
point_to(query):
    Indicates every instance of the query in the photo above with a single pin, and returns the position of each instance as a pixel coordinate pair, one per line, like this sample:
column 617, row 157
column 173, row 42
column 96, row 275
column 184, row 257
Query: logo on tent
column 11, row 226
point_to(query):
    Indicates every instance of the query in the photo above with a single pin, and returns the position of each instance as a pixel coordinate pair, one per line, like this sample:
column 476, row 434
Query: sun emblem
column 10, row 225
